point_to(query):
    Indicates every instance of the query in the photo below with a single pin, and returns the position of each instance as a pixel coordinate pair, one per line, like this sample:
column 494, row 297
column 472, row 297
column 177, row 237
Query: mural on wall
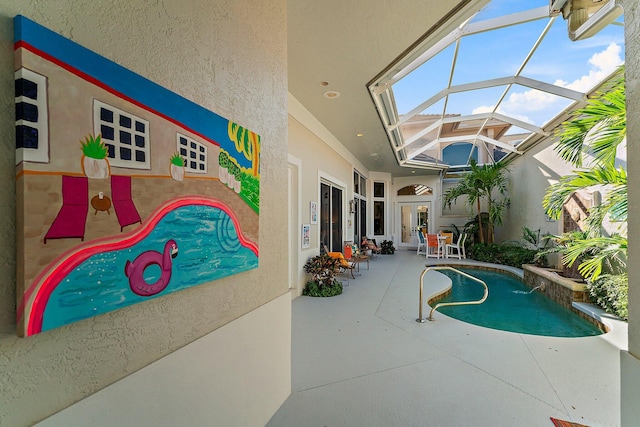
column 125, row 190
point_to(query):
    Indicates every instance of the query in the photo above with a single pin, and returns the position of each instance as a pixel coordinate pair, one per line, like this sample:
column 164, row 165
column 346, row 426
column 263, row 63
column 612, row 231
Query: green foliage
column 223, row 158
column 177, row 160
column 611, row 293
column 387, row 247
column 511, row 255
column 313, row 289
column 593, row 255
column 94, row 147
column 596, row 131
column 482, row 183
column 251, row 191
column 323, row 269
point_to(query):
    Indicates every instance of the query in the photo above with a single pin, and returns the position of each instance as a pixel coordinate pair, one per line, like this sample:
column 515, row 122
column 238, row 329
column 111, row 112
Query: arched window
column 457, row 154
column 415, row 190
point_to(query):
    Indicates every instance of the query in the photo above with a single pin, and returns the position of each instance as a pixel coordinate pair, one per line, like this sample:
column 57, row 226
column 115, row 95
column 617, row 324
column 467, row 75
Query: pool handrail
column 420, row 319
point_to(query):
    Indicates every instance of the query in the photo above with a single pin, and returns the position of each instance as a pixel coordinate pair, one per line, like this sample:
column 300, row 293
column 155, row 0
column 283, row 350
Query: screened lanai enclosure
column 486, row 87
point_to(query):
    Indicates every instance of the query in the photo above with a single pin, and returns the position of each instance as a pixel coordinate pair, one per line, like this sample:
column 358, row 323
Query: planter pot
column 231, row 181
column 177, row 172
column 237, row 186
column 95, row 168
column 223, row 174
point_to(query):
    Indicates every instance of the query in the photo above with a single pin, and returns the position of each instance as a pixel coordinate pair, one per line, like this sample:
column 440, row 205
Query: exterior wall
column 314, row 154
column 223, row 58
column 316, row 160
column 530, row 175
column 630, row 362
column 437, row 221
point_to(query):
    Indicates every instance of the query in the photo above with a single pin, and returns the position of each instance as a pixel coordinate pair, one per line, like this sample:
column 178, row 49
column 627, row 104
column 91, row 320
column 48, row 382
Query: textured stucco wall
column 530, row 175
column 632, row 54
column 317, row 157
column 630, row 363
column 227, row 56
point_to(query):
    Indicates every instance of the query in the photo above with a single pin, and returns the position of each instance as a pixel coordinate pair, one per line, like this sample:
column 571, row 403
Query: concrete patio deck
column 361, row 359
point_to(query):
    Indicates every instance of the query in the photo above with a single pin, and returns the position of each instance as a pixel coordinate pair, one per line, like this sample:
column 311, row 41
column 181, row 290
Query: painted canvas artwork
column 125, row 190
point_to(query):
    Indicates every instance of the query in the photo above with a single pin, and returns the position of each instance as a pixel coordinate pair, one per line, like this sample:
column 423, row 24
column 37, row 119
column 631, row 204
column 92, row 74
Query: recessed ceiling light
column 331, row 94
column 359, row 134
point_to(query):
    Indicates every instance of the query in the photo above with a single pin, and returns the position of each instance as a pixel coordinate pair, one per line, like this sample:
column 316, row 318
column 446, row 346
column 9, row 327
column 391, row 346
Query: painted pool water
column 209, row 249
column 511, row 306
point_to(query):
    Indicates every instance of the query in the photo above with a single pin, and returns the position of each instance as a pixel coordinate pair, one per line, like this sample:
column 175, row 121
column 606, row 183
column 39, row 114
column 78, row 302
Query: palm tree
column 481, row 182
column 596, row 131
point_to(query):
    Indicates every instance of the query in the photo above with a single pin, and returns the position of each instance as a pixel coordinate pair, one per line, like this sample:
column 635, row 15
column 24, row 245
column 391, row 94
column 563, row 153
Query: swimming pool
column 511, row 306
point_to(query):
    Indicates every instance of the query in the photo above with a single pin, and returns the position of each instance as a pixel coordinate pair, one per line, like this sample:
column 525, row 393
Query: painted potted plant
column 223, row 163
column 237, row 186
column 231, row 167
column 177, row 167
column 94, row 157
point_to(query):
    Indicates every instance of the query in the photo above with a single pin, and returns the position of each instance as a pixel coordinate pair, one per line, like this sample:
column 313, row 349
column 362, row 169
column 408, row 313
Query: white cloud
column 522, row 105
column 602, row 64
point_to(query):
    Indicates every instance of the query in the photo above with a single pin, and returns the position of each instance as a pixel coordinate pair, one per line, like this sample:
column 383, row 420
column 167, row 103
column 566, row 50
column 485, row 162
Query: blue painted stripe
column 130, row 84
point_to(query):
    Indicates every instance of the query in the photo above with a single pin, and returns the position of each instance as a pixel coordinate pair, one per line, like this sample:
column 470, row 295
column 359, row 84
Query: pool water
column 511, row 306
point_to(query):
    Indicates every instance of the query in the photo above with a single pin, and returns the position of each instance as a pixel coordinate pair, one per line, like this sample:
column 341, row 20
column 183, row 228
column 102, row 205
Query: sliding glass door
column 331, row 216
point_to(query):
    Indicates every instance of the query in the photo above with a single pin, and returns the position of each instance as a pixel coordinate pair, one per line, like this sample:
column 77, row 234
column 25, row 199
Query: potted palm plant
column 94, row 157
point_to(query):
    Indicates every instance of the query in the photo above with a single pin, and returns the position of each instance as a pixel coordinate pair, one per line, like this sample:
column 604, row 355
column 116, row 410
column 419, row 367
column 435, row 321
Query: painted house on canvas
column 125, row 189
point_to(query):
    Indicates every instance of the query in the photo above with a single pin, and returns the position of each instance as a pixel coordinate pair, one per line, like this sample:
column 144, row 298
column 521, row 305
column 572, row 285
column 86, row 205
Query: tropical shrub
column 594, row 132
column 313, row 289
column 387, row 247
column 611, row 292
column 323, row 270
column 510, row 255
column 488, row 182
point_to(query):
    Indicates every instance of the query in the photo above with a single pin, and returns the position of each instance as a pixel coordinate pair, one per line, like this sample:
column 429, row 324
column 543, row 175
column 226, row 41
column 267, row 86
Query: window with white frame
column 32, row 123
column 193, row 153
column 378, row 208
column 125, row 135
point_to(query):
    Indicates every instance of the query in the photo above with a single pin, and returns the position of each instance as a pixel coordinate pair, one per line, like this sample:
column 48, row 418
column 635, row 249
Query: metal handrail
column 443, row 304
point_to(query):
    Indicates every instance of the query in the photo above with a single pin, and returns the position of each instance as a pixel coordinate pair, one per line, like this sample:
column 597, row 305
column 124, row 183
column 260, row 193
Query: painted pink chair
column 122, row 203
column 72, row 218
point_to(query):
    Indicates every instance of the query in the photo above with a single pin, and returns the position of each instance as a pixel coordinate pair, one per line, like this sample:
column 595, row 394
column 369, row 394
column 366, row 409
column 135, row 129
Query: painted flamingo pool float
column 134, row 269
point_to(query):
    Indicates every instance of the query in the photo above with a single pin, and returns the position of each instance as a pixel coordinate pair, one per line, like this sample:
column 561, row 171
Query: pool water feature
column 511, row 306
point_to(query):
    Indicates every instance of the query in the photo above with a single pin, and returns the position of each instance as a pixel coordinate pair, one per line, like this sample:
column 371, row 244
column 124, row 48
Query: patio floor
column 361, row 359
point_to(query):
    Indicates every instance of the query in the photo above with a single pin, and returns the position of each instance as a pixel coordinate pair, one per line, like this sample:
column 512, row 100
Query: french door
column 331, row 217
column 413, row 216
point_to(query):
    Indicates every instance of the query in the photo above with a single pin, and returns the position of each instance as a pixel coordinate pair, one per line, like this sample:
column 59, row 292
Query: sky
column 499, row 53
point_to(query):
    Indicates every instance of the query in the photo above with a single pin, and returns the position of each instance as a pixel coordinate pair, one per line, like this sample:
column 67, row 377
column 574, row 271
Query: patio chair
column 458, row 246
column 369, row 246
column 122, row 203
column 449, row 237
column 433, row 246
column 422, row 244
column 354, row 255
column 72, row 216
column 345, row 265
